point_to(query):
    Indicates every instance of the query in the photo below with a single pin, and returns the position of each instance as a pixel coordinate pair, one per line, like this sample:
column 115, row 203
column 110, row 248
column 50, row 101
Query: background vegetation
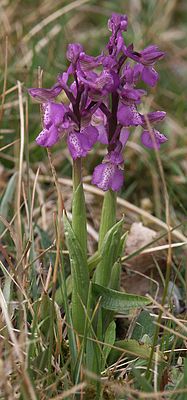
column 33, row 39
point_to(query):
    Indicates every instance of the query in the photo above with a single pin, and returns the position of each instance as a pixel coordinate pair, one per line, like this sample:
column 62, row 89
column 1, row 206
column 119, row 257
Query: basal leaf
column 119, row 302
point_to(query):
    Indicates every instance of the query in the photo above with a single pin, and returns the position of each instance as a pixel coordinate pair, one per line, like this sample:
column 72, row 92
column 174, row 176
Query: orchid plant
column 102, row 95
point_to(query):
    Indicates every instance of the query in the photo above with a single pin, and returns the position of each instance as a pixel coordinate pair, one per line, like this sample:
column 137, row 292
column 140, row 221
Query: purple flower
column 80, row 143
column 118, row 22
column 73, row 52
column 155, row 116
column 128, row 115
column 45, row 95
column 100, row 85
column 153, row 139
column 102, row 100
column 99, row 120
column 147, row 59
column 108, row 176
column 53, row 124
column 129, row 95
column 88, row 63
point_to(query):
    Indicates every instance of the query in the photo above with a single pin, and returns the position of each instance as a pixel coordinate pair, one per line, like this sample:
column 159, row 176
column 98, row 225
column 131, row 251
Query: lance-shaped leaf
column 80, row 277
column 132, row 347
column 109, row 340
column 108, row 215
column 116, row 301
column 109, row 254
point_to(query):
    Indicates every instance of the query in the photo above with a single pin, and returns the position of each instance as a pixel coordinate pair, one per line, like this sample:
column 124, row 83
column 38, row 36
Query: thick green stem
column 79, row 207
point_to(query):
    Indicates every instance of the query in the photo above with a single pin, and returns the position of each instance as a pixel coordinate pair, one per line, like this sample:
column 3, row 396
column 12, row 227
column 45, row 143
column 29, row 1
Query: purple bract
column 102, row 98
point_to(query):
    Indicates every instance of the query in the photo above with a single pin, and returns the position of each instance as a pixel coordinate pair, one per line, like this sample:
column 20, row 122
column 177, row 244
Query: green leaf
column 79, row 217
column 132, row 347
column 115, row 276
column 109, row 339
column 118, row 301
column 94, row 260
column 80, row 276
column 108, row 215
column 7, row 199
column 142, row 381
column 109, row 254
column 144, row 326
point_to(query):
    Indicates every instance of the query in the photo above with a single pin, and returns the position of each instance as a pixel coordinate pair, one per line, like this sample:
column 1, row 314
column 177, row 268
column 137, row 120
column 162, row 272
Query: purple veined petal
column 91, row 133
column 151, row 54
column 80, row 143
column 129, row 93
column 147, row 140
column 45, row 95
column 150, row 76
column 89, row 62
column 137, row 72
column 53, row 113
column 102, row 137
column 117, row 180
column 73, row 52
column 77, row 147
column 124, row 135
column 155, row 116
column 104, row 176
column 115, row 156
column 128, row 73
column 109, row 62
column 128, row 115
column 48, row 137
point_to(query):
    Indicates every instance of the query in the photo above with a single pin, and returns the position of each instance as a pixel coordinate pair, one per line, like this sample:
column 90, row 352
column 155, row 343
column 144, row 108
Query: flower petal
column 44, row 95
column 80, row 143
column 148, row 141
column 53, row 113
column 117, row 180
column 124, row 135
column 155, row 116
column 108, row 176
column 149, row 76
column 48, row 137
column 128, row 115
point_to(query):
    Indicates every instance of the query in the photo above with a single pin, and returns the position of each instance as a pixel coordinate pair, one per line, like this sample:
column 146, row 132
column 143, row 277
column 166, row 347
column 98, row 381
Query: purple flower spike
column 103, row 95
column 80, row 143
column 45, row 95
column 108, row 176
column 148, row 141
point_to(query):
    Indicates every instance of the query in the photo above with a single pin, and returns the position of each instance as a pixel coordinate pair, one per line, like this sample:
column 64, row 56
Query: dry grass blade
column 57, row 14
column 17, row 352
column 5, row 78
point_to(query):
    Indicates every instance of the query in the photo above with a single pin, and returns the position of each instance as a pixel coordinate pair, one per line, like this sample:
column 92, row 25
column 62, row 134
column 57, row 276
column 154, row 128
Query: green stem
column 77, row 173
column 79, row 206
